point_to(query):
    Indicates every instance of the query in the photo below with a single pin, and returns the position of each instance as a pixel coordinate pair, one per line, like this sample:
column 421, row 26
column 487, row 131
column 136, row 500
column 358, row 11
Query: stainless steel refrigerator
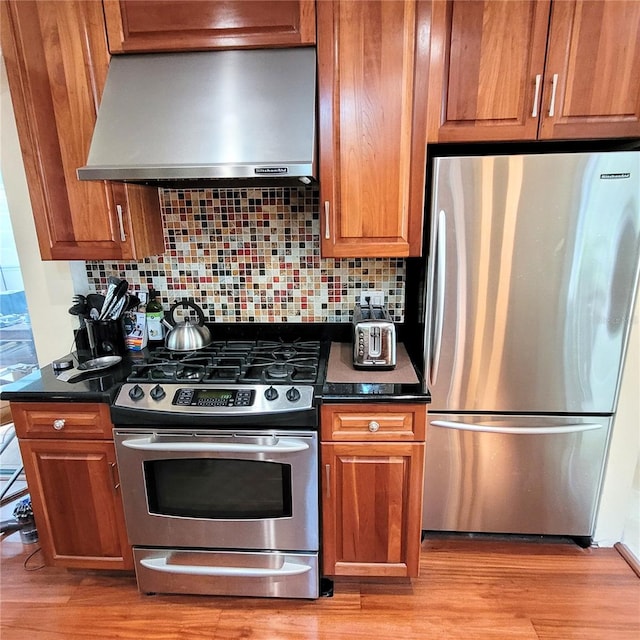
column 531, row 278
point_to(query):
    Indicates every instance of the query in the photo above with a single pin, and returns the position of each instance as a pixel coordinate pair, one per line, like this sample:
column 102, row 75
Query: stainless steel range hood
column 241, row 115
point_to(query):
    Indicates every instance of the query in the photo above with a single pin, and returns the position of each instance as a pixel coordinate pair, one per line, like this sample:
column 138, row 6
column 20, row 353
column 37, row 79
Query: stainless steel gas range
column 218, row 457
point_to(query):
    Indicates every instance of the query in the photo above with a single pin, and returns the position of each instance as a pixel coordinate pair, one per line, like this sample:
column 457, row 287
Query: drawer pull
column 374, row 426
column 58, row 424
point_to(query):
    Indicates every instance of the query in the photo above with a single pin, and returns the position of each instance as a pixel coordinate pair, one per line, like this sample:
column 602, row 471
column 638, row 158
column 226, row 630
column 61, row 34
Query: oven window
column 219, row 488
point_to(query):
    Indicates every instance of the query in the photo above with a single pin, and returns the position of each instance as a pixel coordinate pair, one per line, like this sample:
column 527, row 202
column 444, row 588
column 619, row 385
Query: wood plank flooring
column 469, row 589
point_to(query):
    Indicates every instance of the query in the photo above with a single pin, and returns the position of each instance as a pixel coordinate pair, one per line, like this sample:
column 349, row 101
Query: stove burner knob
column 271, row 393
column 157, row 393
column 293, row 394
column 136, row 392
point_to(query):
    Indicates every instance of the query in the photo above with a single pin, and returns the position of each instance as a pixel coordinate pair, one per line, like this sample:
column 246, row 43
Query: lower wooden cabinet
column 70, row 466
column 372, row 489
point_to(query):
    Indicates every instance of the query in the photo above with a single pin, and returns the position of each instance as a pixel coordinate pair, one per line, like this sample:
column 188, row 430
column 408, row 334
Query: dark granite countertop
column 43, row 385
column 343, row 383
column 102, row 386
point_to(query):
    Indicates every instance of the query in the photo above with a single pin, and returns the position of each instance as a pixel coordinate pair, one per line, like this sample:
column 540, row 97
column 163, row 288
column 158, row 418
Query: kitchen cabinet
column 183, row 25
column 534, row 69
column 57, row 59
column 372, row 458
column 70, row 465
column 372, row 78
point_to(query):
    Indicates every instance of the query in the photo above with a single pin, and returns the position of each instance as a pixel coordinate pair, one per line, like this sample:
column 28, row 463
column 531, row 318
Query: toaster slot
column 375, row 342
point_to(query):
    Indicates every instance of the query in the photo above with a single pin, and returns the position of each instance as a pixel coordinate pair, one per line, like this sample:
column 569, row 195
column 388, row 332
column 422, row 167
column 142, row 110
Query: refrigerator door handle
column 440, row 286
column 539, row 431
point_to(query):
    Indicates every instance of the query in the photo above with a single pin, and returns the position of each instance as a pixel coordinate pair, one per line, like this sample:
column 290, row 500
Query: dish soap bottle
column 155, row 314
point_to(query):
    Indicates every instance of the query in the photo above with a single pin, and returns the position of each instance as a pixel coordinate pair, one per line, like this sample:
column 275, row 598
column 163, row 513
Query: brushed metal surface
column 260, row 406
column 266, row 574
column 212, row 114
column 542, row 476
column 538, row 258
column 300, row 531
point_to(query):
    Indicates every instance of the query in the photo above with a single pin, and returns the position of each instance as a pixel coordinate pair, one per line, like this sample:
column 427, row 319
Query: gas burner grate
column 264, row 370
column 220, row 372
column 261, row 361
column 167, row 372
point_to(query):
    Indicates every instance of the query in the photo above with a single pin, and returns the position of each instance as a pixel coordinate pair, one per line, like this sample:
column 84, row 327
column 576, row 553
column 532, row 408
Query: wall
column 253, row 255
column 48, row 285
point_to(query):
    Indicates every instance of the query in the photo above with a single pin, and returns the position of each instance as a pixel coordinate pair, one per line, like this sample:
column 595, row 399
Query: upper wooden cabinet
column 534, row 69
column 56, row 57
column 372, row 61
column 594, row 57
column 182, row 25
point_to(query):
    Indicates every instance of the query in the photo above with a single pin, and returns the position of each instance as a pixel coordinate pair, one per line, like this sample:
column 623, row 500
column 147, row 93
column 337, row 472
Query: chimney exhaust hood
column 236, row 116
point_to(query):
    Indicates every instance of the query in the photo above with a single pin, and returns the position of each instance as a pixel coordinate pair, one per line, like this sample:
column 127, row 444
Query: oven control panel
column 194, row 397
column 214, row 399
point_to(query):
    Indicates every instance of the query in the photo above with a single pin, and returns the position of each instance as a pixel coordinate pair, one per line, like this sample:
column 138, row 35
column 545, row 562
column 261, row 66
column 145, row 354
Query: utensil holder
column 105, row 337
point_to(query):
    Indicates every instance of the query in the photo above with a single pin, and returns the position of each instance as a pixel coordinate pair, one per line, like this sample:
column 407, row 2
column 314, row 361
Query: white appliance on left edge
column 532, row 277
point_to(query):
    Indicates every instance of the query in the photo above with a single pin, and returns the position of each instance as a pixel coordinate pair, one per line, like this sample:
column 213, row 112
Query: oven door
column 220, row 489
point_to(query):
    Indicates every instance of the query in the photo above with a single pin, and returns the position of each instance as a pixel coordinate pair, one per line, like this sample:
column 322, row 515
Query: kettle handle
column 185, row 304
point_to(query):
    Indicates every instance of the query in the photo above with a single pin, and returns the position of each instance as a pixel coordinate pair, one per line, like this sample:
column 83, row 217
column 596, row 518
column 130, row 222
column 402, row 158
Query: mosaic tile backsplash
column 253, row 255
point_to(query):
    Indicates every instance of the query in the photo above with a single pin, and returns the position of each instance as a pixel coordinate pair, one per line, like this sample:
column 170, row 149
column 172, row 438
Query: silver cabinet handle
column 123, row 235
column 327, row 228
column 327, row 480
column 484, row 428
column 554, row 86
column 284, row 445
column 374, row 426
column 162, row 564
column 536, row 96
column 58, row 424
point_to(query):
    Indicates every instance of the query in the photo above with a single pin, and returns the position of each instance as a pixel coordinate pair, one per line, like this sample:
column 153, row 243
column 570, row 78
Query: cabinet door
column 181, row 25
column 488, row 66
column 372, row 58
column 592, row 77
column 75, row 493
column 372, row 501
column 57, row 59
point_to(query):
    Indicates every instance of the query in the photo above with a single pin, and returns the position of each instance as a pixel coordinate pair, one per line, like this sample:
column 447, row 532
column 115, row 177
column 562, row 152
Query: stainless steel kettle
column 186, row 335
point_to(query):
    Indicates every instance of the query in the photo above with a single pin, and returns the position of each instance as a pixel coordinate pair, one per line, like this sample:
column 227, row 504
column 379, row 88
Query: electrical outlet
column 142, row 296
column 375, row 298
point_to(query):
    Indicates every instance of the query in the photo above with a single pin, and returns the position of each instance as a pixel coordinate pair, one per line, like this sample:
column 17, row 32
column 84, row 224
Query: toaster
column 374, row 338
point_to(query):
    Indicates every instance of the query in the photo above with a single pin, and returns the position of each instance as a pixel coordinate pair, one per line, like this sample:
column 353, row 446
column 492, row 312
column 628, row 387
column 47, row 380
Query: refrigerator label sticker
column 614, row 176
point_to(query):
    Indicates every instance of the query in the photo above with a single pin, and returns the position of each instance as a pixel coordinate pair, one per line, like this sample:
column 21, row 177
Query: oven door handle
column 284, row 445
column 287, row 569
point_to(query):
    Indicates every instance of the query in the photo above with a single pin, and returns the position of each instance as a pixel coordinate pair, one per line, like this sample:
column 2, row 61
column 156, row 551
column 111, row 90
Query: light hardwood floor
column 469, row 589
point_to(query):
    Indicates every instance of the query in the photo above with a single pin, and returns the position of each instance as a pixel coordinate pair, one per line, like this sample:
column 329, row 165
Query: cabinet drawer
column 62, row 420
column 388, row 422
